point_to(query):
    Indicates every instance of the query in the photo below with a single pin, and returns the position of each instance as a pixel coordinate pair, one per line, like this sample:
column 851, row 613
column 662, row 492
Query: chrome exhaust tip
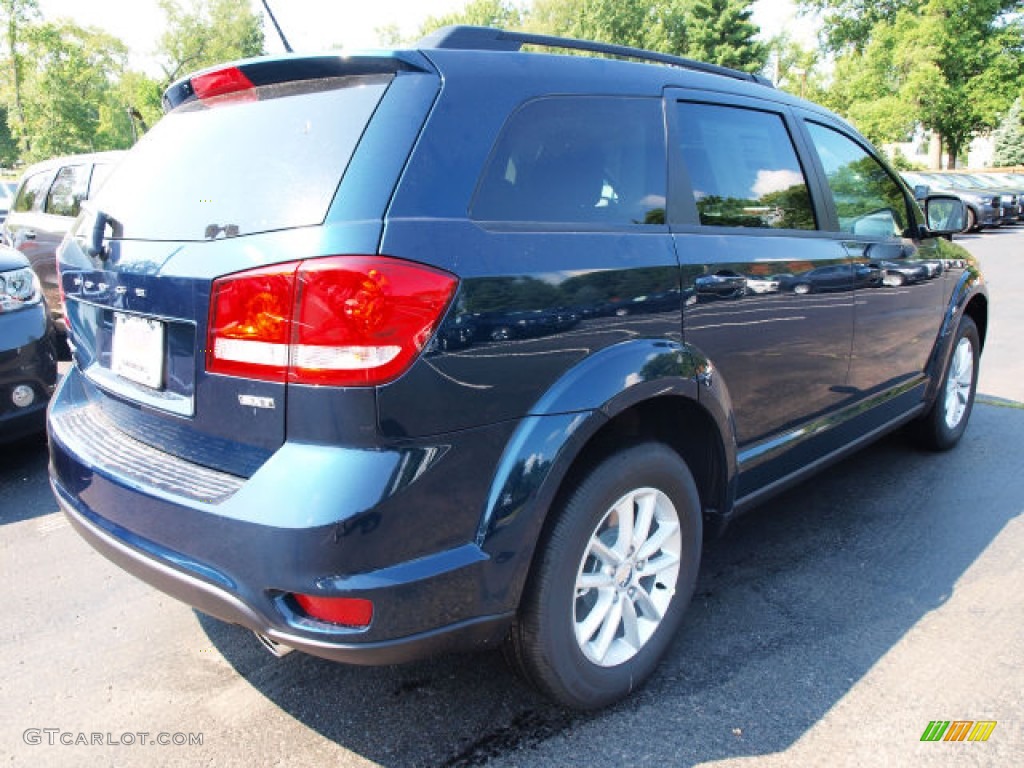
column 276, row 649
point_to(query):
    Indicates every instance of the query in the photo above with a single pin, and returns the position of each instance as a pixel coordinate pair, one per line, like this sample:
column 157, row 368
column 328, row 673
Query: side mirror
column 944, row 215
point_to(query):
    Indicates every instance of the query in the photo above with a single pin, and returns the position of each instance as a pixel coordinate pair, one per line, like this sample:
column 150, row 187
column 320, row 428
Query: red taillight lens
column 361, row 320
column 250, row 323
column 223, row 82
column 347, row 611
column 342, row 320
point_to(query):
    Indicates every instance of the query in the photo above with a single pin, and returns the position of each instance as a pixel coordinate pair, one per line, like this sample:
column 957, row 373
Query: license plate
column 138, row 350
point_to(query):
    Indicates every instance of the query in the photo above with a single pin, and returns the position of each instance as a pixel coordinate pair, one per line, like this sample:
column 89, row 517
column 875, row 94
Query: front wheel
column 971, row 225
column 944, row 423
column 610, row 586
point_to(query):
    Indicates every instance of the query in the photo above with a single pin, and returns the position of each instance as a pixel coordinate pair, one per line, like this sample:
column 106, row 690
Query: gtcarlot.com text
column 59, row 737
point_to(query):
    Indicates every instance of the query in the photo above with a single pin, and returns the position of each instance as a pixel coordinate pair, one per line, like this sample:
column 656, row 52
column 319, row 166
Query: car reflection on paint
column 724, row 284
column 837, row 277
column 761, row 285
column 457, row 333
column 895, row 274
column 525, row 324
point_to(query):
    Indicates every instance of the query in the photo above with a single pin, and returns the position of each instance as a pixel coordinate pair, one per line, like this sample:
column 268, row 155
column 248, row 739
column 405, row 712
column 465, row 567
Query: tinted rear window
column 573, row 159
column 238, row 166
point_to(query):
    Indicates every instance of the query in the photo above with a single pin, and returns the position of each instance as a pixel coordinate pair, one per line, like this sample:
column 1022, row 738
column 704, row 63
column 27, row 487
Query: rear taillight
column 340, row 321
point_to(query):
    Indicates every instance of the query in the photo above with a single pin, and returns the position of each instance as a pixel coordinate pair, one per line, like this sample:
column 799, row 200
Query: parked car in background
column 48, row 198
column 7, row 190
column 28, row 356
column 1013, row 206
column 262, row 418
column 1009, row 208
column 984, row 209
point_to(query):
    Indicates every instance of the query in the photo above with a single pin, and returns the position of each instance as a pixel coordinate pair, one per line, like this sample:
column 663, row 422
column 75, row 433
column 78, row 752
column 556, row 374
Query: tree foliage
column 1009, row 137
column 721, row 32
column 16, row 15
column 657, row 25
column 205, row 33
column 66, row 89
column 948, row 65
column 69, row 73
column 477, row 13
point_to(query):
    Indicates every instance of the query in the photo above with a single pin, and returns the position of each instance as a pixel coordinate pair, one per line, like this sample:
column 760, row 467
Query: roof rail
column 492, row 39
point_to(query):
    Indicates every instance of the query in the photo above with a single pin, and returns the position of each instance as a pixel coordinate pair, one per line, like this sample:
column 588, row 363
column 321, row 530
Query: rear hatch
column 248, row 169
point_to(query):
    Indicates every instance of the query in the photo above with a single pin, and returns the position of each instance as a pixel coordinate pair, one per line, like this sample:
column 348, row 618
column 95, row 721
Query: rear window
column 235, row 165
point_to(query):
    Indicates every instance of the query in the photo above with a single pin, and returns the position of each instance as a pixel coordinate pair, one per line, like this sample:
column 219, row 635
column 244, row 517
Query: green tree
column 478, row 13
column 944, row 64
column 131, row 107
column 69, row 74
column 1009, row 137
column 8, row 145
column 794, row 68
column 850, row 24
column 16, row 15
column 657, row 25
column 721, row 32
column 205, row 33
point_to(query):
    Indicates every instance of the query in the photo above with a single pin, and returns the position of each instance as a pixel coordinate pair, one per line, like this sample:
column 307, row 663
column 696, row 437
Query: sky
column 316, row 25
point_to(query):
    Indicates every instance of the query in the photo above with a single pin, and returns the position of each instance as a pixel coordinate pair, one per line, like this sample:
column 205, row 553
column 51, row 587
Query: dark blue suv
column 392, row 354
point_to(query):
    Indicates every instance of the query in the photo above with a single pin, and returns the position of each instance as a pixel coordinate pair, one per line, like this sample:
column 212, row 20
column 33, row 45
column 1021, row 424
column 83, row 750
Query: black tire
column 542, row 645
column 972, row 222
column 942, row 426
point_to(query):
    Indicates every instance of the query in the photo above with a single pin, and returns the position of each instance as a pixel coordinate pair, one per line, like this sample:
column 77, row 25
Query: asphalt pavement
column 830, row 627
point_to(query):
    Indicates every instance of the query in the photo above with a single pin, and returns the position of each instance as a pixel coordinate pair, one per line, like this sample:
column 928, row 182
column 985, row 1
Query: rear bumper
column 395, row 526
column 222, row 604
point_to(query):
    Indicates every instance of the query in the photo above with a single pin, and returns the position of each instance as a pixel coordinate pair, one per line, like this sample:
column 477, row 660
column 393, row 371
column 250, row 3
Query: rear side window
column 743, row 168
column 868, row 200
column 68, row 190
column 598, row 160
column 269, row 160
column 32, row 192
column 100, row 172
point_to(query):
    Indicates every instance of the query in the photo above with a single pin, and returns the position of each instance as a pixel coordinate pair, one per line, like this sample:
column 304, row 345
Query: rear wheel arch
column 680, row 423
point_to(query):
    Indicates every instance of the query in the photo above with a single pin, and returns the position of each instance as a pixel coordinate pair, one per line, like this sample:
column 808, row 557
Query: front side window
column 743, row 168
column 68, row 190
column 868, row 200
column 597, row 160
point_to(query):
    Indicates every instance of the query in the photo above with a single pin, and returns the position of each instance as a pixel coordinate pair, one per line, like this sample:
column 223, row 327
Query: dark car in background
column 48, row 198
column 392, row 354
column 28, row 356
column 1004, row 199
column 984, row 207
column 1011, row 192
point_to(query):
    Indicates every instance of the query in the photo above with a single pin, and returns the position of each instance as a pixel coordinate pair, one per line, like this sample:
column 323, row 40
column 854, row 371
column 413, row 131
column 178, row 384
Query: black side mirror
column 944, row 215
